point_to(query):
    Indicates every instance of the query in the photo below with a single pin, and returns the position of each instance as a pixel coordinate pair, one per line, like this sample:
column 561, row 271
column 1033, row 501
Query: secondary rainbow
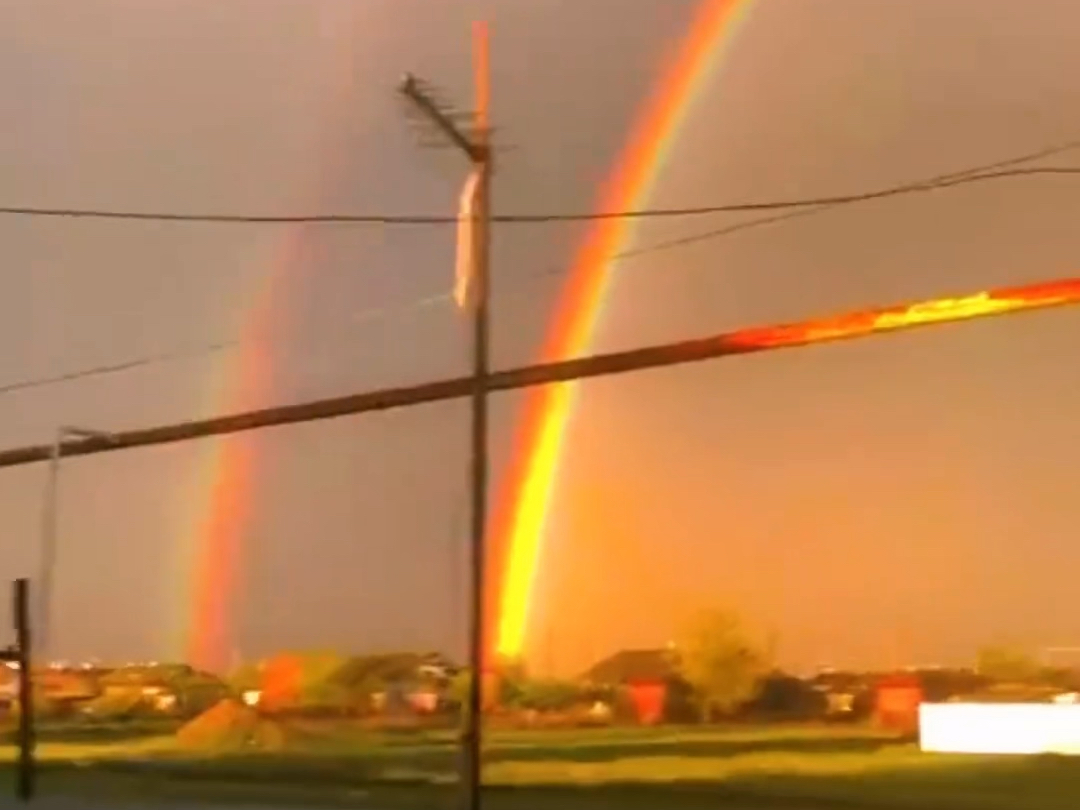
column 519, row 523
column 228, row 480
column 226, row 474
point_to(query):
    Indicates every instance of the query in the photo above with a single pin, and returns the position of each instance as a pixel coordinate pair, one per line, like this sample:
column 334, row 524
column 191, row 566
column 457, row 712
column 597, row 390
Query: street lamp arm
column 71, row 431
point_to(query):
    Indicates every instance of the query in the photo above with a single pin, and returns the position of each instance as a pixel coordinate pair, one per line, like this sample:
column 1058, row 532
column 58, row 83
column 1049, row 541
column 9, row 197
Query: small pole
column 25, row 783
column 50, row 519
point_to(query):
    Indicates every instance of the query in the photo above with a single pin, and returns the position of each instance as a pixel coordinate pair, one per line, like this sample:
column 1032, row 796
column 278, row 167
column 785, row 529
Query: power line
column 946, row 180
column 520, row 219
column 810, row 202
column 936, row 181
column 848, row 326
column 231, row 219
column 110, row 368
column 932, row 182
column 204, row 350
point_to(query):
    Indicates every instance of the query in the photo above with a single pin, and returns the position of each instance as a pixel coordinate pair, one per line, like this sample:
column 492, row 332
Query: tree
column 550, row 695
column 1006, row 664
column 246, row 677
column 717, row 657
column 783, row 696
column 510, row 687
column 299, row 681
column 197, row 691
column 319, row 691
column 459, row 687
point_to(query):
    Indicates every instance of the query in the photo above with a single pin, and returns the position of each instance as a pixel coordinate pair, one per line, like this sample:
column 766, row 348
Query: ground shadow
column 94, row 732
column 962, row 783
column 690, row 747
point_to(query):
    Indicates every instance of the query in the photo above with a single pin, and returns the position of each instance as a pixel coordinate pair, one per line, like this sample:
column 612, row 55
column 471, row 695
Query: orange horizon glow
column 522, row 509
column 519, row 515
column 845, row 326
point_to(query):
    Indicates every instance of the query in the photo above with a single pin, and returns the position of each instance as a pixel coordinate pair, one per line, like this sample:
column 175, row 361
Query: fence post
column 19, row 654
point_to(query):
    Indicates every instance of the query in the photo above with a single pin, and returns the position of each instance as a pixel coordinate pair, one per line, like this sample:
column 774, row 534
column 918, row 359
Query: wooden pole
column 472, row 777
column 25, row 781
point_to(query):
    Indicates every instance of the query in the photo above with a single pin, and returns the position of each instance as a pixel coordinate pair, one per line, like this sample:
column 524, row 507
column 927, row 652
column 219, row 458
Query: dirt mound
column 231, row 726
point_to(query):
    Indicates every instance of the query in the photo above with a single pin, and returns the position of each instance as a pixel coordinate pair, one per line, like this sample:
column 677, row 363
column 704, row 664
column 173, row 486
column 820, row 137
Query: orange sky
column 916, row 487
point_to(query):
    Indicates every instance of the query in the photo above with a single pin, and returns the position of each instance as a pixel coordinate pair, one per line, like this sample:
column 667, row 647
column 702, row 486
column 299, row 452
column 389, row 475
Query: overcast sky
column 904, row 499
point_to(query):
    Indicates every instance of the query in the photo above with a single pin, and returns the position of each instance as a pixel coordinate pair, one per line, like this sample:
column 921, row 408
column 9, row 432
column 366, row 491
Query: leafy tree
column 512, row 669
column 459, row 687
column 44, row 707
column 318, row 667
column 245, row 677
column 719, row 659
column 512, row 681
column 509, row 694
column 198, row 691
column 318, row 689
column 549, row 695
column 298, row 680
column 117, row 706
column 1002, row 663
column 783, row 696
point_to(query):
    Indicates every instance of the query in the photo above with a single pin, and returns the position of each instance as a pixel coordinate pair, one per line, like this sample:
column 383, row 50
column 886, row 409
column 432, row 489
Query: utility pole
column 476, row 146
column 19, row 656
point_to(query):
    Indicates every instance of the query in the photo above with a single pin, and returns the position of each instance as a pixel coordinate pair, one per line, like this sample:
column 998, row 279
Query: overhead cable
column 521, row 219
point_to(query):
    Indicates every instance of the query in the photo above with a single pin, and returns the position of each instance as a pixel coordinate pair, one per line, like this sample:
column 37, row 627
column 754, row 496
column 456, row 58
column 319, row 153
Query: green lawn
column 660, row 769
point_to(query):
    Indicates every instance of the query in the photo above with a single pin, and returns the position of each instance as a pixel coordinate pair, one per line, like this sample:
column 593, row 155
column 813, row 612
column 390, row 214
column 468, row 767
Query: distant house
column 399, row 682
column 156, row 688
column 941, row 684
column 889, row 696
column 633, row 666
column 785, row 697
column 65, row 688
column 280, row 683
column 69, row 687
column 9, row 686
column 121, row 691
column 896, row 702
column 847, row 695
column 389, row 682
column 650, row 677
column 139, row 685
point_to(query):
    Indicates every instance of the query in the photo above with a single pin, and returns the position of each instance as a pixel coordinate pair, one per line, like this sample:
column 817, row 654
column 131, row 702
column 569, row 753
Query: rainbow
column 219, row 537
column 226, row 472
column 519, row 522
column 522, row 509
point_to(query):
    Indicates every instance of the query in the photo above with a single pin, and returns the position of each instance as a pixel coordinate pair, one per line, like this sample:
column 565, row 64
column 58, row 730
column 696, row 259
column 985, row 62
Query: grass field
column 664, row 769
